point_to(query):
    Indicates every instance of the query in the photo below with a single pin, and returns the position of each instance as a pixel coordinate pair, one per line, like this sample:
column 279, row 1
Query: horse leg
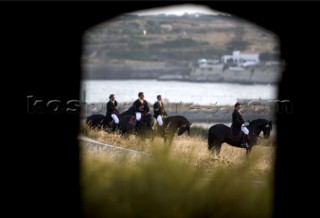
column 153, row 134
column 214, row 149
column 170, row 140
column 152, row 138
column 217, row 148
column 124, row 134
column 211, row 141
column 210, row 146
column 165, row 140
column 248, row 151
column 214, row 145
column 142, row 138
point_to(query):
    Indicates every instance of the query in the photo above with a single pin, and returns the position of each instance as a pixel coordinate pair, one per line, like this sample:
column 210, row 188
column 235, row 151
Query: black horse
column 221, row 133
column 173, row 125
column 99, row 121
column 126, row 123
column 144, row 129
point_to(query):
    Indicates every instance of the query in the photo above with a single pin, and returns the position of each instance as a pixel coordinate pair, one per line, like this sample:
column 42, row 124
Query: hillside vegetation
column 175, row 41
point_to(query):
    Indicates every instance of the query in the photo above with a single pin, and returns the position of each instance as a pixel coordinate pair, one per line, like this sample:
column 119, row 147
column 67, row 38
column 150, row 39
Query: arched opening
column 202, row 64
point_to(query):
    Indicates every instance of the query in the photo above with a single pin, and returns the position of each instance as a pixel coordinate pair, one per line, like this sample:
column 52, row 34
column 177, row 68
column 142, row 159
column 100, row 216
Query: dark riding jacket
column 237, row 121
column 139, row 107
column 111, row 109
column 158, row 110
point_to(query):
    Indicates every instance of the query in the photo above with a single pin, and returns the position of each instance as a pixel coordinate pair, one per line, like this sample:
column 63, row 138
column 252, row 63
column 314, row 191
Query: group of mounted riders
column 140, row 107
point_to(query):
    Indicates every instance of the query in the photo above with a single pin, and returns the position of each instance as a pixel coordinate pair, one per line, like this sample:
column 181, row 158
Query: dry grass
column 191, row 150
column 178, row 181
column 183, row 180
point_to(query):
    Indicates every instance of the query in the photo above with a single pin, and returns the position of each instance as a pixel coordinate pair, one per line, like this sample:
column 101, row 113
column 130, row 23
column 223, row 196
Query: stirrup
column 244, row 145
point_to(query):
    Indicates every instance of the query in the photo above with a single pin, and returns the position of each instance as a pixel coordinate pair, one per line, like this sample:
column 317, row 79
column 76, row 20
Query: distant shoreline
column 186, row 80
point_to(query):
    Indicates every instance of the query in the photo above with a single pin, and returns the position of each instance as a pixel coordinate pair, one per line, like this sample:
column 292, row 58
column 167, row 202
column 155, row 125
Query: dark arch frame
column 53, row 66
column 258, row 13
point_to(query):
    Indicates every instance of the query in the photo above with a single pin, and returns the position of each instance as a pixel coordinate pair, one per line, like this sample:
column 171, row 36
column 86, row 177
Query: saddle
column 237, row 135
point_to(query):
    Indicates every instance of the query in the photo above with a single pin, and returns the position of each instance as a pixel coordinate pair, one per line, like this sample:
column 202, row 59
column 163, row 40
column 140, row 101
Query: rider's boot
column 115, row 127
column 244, row 143
column 136, row 124
column 161, row 130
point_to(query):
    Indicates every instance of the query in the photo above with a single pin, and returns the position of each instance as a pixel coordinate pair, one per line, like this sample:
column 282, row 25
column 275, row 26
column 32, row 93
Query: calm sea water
column 174, row 91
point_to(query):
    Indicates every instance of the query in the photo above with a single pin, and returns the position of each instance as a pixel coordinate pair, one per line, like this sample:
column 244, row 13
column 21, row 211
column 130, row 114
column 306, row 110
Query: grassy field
column 184, row 180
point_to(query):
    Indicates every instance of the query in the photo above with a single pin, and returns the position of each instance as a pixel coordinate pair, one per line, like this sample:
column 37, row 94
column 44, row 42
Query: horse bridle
column 258, row 136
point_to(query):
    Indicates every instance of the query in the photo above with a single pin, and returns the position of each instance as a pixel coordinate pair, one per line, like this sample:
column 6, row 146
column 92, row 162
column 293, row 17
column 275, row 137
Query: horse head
column 130, row 111
column 267, row 130
column 184, row 127
column 258, row 125
column 176, row 124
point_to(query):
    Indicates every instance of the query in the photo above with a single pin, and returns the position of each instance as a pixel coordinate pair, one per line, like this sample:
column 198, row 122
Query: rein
column 258, row 136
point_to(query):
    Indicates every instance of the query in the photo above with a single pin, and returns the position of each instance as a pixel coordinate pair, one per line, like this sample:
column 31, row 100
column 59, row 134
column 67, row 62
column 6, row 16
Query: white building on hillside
column 241, row 59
